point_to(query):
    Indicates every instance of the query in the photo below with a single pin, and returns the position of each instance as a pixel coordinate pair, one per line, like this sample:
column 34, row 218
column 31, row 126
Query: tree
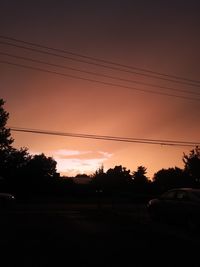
column 192, row 165
column 99, row 178
column 40, row 166
column 118, row 178
column 169, row 178
column 22, row 171
column 39, row 175
column 5, row 137
column 139, row 176
column 140, row 182
column 115, row 179
column 11, row 160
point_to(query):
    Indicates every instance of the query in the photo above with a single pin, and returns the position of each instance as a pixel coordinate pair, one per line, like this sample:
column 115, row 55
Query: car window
column 169, row 195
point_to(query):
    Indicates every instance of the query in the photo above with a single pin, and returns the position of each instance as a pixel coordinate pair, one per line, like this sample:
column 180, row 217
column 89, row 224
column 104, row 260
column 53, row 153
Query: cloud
column 105, row 154
column 72, row 162
column 63, row 153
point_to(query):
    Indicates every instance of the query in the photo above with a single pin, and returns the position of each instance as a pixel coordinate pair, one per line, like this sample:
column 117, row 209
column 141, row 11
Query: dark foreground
column 88, row 235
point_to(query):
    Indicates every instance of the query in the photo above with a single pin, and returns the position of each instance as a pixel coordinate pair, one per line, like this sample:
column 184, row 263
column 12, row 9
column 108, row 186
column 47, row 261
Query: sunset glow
column 159, row 38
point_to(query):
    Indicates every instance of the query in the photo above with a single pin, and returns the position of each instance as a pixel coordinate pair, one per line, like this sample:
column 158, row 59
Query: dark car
column 180, row 205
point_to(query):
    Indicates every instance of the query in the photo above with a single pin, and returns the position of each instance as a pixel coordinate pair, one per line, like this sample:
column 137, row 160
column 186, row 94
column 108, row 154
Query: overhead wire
column 97, row 59
column 161, row 76
column 98, row 81
column 108, row 138
column 97, row 74
column 89, row 72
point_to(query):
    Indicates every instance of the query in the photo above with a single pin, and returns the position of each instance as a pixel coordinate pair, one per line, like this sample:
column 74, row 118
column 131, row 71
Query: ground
column 67, row 234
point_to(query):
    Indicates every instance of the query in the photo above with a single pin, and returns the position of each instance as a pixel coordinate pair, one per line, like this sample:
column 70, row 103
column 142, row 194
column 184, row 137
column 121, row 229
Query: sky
column 158, row 36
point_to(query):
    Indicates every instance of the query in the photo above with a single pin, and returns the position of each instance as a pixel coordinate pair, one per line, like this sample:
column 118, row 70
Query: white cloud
column 106, row 154
column 72, row 162
column 66, row 152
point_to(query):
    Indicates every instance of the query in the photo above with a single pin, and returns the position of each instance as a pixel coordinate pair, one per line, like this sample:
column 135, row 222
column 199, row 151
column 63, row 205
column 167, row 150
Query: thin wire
column 101, row 65
column 108, row 138
column 97, row 81
column 97, row 74
column 99, row 60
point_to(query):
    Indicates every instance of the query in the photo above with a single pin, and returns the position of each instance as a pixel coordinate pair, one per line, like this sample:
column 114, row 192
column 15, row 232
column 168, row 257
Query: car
column 178, row 205
column 7, row 200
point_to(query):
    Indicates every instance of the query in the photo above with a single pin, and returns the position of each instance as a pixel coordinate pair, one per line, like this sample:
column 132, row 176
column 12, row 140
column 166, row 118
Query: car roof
column 188, row 189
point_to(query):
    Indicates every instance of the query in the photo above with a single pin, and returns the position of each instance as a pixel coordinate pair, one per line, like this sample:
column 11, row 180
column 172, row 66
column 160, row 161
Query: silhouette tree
column 11, row 159
column 118, row 178
column 39, row 175
column 5, row 137
column 99, row 183
column 192, row 165
column 99, row 178
column 115, row 179
column 40, row 166
column 15, row 161
column 99, row 171
column 140, row 182
column 21, row 172
column 169, row 178
column 139, row 176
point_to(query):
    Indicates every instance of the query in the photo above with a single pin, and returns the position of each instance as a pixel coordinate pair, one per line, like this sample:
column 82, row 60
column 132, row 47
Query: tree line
column 26, row 174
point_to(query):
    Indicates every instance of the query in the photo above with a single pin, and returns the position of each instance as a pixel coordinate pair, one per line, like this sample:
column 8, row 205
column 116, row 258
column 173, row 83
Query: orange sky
column 159, row 37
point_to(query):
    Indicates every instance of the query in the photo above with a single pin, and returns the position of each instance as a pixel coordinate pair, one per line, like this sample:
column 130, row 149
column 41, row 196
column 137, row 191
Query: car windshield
column 168, row 195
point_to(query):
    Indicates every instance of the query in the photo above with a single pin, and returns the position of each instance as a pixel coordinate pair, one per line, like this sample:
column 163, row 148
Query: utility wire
column 108, row 138
column 97, row 81
column 97, row 74
column 98, row 59
column 184, row 81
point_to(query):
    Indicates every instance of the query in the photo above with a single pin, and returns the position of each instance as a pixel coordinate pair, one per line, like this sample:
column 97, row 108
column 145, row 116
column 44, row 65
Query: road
column 89, row 235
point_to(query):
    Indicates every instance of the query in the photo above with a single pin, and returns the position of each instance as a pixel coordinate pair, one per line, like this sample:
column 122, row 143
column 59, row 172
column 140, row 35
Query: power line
column 97, row 81
column 108, row 138
column 97, row 74
column 184, row 80
column 97, row 59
